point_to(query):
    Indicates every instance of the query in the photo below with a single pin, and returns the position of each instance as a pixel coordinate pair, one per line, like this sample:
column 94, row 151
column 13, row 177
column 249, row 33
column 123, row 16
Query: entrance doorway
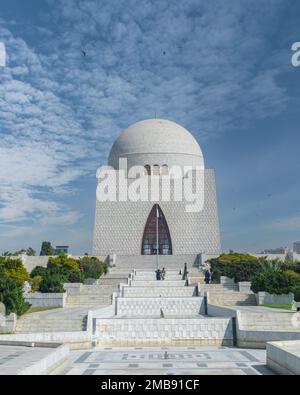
column 156, row 225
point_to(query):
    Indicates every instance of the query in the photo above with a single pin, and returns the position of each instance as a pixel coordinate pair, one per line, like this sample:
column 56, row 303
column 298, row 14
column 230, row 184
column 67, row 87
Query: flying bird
column 83, row 52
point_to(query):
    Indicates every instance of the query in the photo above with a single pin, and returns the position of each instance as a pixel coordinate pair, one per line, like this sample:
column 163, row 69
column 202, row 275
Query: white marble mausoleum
column 131, row 227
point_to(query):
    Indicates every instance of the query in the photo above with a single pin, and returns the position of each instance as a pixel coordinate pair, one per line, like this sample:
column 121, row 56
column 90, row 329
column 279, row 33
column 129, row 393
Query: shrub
column 295, row 283
column 35, row 283
column 39, row 271
column 296, row 292
column 14, row 268
column 290, row 264
column 59, row 270
column 240, row 267
column 272, row 278
column 293, row 276
column 62, row 269
column 92, row 267
column 11, row 294
column 62, row 261
column 53, row 283
column 75, row 277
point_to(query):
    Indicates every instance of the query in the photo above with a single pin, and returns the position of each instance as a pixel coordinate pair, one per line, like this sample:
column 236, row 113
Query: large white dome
column 156, row 141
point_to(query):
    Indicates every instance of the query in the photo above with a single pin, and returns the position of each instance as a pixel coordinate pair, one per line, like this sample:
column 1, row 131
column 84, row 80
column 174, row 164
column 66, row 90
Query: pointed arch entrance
column 156, row 225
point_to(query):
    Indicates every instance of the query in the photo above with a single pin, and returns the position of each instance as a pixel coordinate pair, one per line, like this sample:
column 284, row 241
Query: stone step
column 88, row 306
column 51, row 329
column 231, row 295
column 153, row 275
column 54, row 325
column 217, row 288
column 91, row 306
column 164, row 292
column 232, row 299
column 113, row 281
column 52, row 319
column 154, row 279
column 51, row 324
column 158, row 283
column 154, row 307
column 167, row 331
column 146, row 272
column 89, row 297
column 87, row 303
column 228, row 303
column 98, row 288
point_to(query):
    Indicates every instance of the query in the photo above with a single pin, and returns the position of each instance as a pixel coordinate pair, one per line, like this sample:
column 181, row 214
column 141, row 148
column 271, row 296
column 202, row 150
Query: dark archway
column 149, row 243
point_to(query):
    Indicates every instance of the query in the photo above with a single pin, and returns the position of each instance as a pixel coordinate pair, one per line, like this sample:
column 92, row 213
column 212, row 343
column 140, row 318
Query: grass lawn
column 37, row 309
column 278, row 306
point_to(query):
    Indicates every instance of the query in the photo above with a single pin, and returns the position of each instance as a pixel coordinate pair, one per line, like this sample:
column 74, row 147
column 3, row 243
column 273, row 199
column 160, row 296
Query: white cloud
column 68, row 218
column 203, row 66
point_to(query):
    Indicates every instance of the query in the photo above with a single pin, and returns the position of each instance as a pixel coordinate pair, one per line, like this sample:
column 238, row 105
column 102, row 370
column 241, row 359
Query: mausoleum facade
column 154, row 222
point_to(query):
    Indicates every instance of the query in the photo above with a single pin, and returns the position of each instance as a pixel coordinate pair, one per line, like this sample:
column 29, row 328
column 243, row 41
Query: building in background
column 61, row 250
column 296, row 247
column 279, row 250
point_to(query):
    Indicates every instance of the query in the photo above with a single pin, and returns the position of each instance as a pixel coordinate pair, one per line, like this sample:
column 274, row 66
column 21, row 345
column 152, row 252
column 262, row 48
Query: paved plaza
column 13, row 359
column 168, row 361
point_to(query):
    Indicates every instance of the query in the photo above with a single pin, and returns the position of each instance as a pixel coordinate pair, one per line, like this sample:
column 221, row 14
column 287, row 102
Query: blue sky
column 222, row 69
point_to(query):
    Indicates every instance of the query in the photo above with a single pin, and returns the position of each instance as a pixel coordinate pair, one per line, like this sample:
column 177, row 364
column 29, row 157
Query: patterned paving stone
column 180, row 360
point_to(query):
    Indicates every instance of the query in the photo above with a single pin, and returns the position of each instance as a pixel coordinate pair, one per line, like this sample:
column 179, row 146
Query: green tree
column 46, row 248
column 35, row 283
column 235, row 265
column 272, row 278
column 19, row 252
column 62, row 261
column 7, row 253
column 30, row 251
column 53, row 283
column 11, row 293
column 14, row 268
column 92, row 267
column 38, row 271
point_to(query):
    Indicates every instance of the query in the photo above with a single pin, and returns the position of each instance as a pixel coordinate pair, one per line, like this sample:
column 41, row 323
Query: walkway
column 167, row 360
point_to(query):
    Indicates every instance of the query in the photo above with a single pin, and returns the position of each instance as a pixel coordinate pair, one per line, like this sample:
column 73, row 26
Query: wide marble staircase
column 225, row 295
column 56, row 320
column 144, row 310
column 73, row 317
column 148, row 312
column 92, row 296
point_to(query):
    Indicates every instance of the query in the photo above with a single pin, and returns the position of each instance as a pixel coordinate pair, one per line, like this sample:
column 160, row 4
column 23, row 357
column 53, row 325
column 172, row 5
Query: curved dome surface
column 153, row 140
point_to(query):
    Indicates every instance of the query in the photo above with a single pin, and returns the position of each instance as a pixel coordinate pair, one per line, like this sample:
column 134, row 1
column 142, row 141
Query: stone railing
column 7, row 322
column 39, row 299
column 73, row 288
column 284, row 357
column 266, row 298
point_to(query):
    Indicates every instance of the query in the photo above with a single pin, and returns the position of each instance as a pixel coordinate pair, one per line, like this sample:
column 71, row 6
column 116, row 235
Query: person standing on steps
column 185, row 272
column 207, row 276
column 163, row 273
column 158, row 274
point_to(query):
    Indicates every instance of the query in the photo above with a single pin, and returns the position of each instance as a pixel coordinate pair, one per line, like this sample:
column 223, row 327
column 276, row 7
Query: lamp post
column 157, row 242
